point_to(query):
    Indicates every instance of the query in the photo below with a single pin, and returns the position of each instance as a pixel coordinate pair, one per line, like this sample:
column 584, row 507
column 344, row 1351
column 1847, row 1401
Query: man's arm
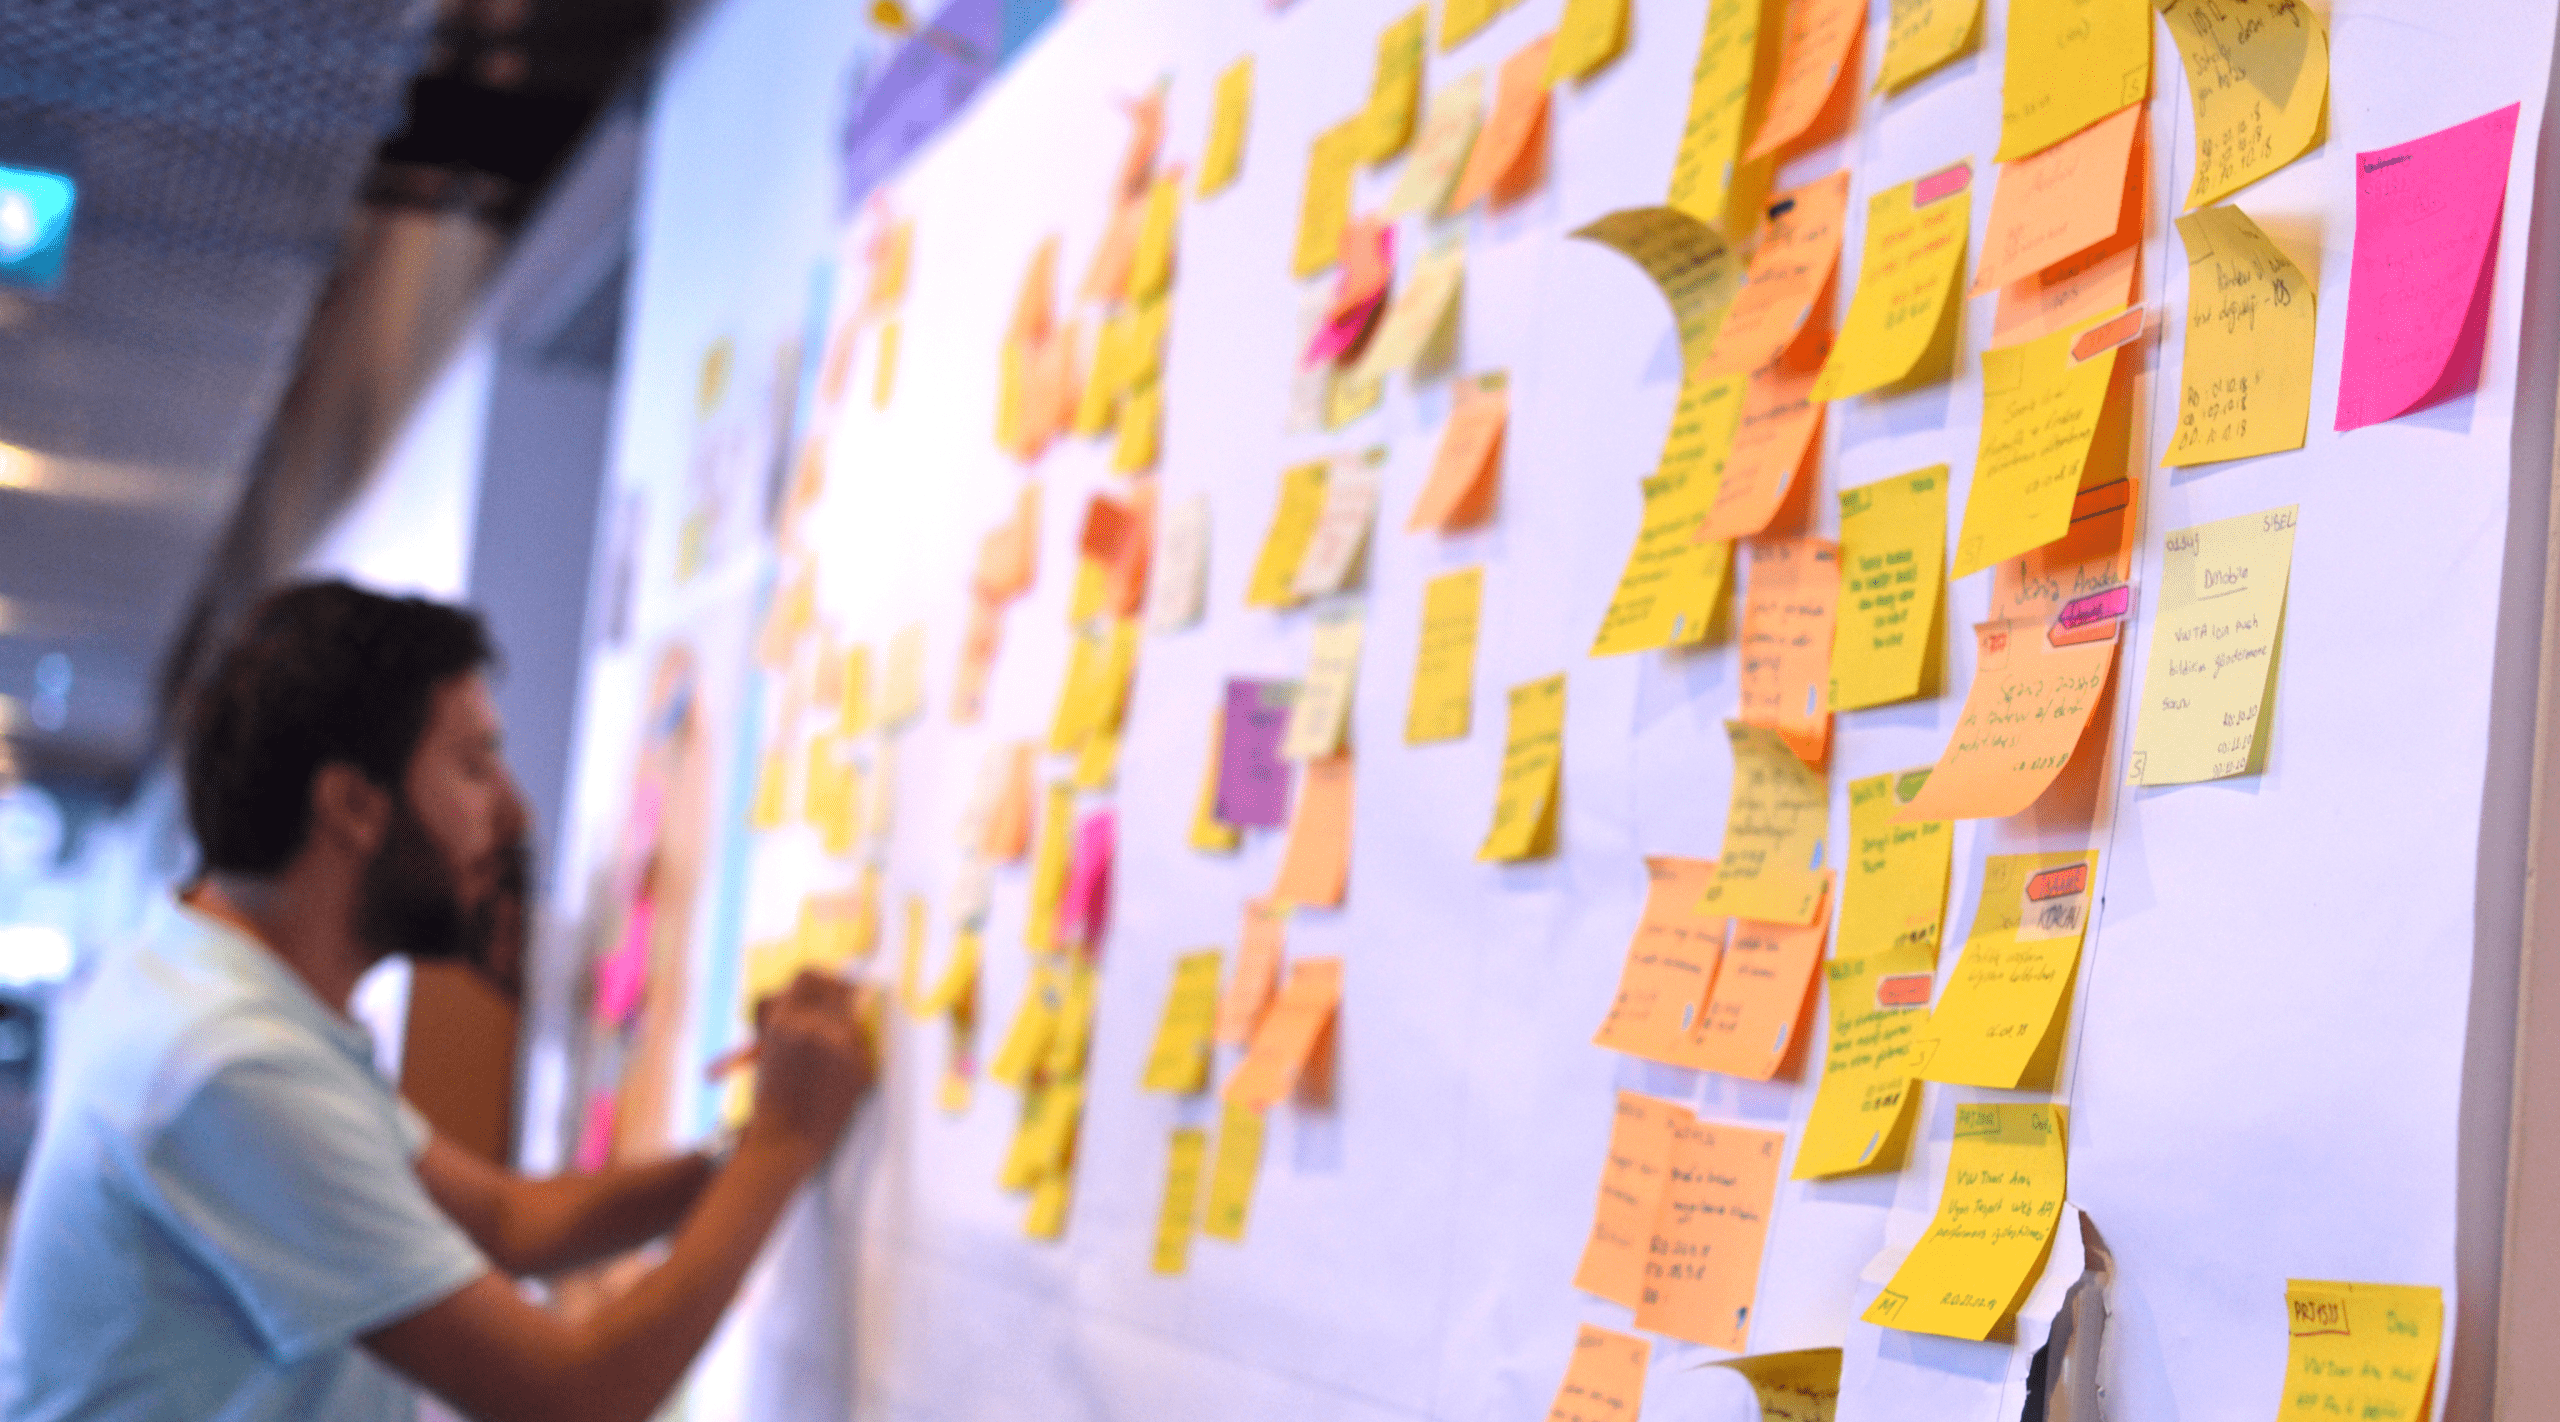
column 536, row 1227
column 487, row 1351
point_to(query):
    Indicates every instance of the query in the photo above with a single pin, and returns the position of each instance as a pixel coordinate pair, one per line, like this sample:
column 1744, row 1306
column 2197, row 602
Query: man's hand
column 814, row 1061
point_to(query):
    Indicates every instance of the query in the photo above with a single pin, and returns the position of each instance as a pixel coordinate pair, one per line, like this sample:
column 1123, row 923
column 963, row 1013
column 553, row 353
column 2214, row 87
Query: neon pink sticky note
column 1368, row 264
column 595, row 1135
column 1088, row 897
column 624, row 974
column 2427, row 215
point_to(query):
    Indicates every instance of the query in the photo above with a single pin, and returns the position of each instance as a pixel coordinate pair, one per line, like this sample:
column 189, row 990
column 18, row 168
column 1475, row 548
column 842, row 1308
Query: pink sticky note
column 595, row 1136
column 2427, row 215
column 1368, row 265
column 624, row 974
column 1088, row 898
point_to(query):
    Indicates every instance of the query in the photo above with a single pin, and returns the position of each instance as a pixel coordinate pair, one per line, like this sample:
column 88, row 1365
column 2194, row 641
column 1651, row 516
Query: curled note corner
column 2063, row 1383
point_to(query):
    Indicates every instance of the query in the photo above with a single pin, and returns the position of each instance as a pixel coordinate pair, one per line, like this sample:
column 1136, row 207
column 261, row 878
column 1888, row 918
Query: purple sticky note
column 1253, row 781
column 2427, row 215
column 624, row 974
column 1087, row 905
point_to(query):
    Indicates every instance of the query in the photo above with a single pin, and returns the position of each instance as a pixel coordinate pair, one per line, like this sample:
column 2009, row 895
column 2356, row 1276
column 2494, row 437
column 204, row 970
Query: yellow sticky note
column 1134, row 449
column 1799, row 1386
column 902, row 687
column 1524, row 807
column 2365, row 1351
column 1904, row 303
column 1043, row 1143
column 1151, row 267
column 884, row 372
column 959, row 980
column 1326, row 208
column 1209, row 834
column 1460, row 19
column 1072, row 1038
column 1419, row 313
column 1737, row 59
column 2258, row 72
column 2214, row 641
column 1351, row 391
column 1894, row 875
column 1997, row 1212
column 1449, row 125
column 856, row 711
column 1863, row 1109
column 1047, row 1217
column 1923, row 34
column 1321, row 715
column 1605, row 1380
column 1231, row 112
column 2041, row 408
column 1893, row 564
column 1689, row 263
column 1080, row 696
column 2246, row 387
column 1231, row 1176
column 773, row 791
column 1179, row 1060
column 2070, row 63
column 1396, row 90
column 1668, row 594
column 1775, row 834
column 2000, row 1021
column 1589, row 36
column 1026, row 1041
column 1293, row 526
column 1049, row 869
column 1180, row 1214
column 1444, row 672
column 911, row 984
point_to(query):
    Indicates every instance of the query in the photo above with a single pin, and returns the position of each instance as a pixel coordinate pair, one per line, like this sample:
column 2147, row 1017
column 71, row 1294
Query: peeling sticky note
column 1798, row 1386
column 1288, row 1035
column 1901, row 322
column 1672, row 585
column 1605, row 1380
column 2076, row 586
column 1257, row 978
column 2052, row 206
column 1780, row 427
column 1231, row 112
column 2258, row 73
column 1316, row 866
column 1341, row 530
column 2041, row 411
column 1789, row 621
column 1284, row 547
column 1999, row 1023
column 1418, row 317
column 2070, row 63
column 1671, row 963
column 2069, row 293
column 1449, row 124
column 2246, row 385
column 2214, row 642
column 1459, row 493
column 2360, row 1350
column 2427, row 215
column 1997, row 1212
column 1151, row 266
column 1821, row 36
column 1632, row 1178
column 1396, row 89
column 1776, row 854
column 1789, row 274
column 1689, row 264
column 1894, row 889
column 1710, row 180
column 1702, row 1271
column 2021, row 724
column 1444, row 673
column 1591, row 34
column 1506, row 154
column 1863, row 1109
column 1231, row 1177
column 1524, row 806
column 1757, row 1011
column 1893, row 562
column 1920, row 35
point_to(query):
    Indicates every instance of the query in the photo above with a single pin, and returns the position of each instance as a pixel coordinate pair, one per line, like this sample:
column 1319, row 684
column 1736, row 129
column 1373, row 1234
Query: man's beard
column 407, row 904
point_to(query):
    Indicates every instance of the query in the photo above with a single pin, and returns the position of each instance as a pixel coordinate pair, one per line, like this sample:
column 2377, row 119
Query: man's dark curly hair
column 321, row 672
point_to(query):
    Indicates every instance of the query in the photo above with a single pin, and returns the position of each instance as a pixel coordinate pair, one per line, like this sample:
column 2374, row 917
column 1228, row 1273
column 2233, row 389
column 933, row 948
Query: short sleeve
column 292, row 1182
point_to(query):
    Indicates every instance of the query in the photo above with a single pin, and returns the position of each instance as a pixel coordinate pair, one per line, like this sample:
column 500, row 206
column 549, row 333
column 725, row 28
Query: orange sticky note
column 1756, row 1012
column 1317, row 865
column 1459, row 492
column 1288, row 1035
column 1631, row 1183
column 1780, row 423
column 2021, row 725
column 1511, row 136
column 1815, row 58
column 2056, row 204
column 2107, row 277
column 2077, row 587
column 1248, row 994
column 1671, row 963
column 1009, row 828
column 1702, row 1270
column 1799, row 252
column 1605, row 1380
column 1788, row 624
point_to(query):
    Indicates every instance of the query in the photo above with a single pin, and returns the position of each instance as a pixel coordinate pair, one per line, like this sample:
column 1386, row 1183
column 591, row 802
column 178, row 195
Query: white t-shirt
column 222, row 1199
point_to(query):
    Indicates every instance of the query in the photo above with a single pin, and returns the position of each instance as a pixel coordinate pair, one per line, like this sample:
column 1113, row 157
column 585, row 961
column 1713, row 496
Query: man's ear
column 348, row 811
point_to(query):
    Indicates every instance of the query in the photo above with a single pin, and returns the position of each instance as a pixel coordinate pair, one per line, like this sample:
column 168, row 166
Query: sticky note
column 2069, row 64
column 1999, row 1021
column 2052, row 206
column 1151, row 266
column 2427, row 215
column 1395, row 91
column 1792, row 270
column 1459, row 493
column 1449, row 125
column 1776, row 850
column 1590, row 35
column 1179, row 1216
column 1049, row 869
column 1781, row 423
column 1900, row 326
column 1288, row 1034
column 1524, row 806
column 1341, row 528
column 1461, row 19
column 2075, row 587
column 2258, row 74
column 1671, row 963
column 1046, row 1139
column 1689, row 262
column 1798, row 1386
column 1673, row 583
column 1710, row 179
column 978, row 648
column 2073, row 292
column 1920, row 35
column 1632, row 1179
column 855, row 716
column 1444, row 672
column 1349, row 393
column 911, row 983
column 1326, row 207
column 1863, row 1108
column 884, row 372
column 2214, row 641
column 1253, row 779
column 1026, row 1041
column 1997, row 1212
column 1316, row 866
column 1231, row 1177
column 1894, row 876
column 1178, row 577
column 1755, row 1013
column 1106, row 278
column 1418, row 317
column 2041, row 409
column 1047, row 1217
column 1179, row 1059
column 1137, row 438
column 1085, row 909
column 1506, row 152
column 1322, row 712
column 952, row 991
column 1821, row 35
column 1209, row 834
column 1293, row 526
column 1789, row 619
column 1073, row 1036
column 1366, row 267
column 2360, row 1350
column 1230, row 113
column 1084, row 696
column 2246, row 386
column 1009, row 825
column 2021, row 724
column 1605, row 1380
column 1257, row 978
column 1893, row 563
column 1702, row 1271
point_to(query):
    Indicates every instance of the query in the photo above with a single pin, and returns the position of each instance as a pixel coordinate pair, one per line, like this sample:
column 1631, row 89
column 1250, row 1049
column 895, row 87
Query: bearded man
column 229, row 1214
